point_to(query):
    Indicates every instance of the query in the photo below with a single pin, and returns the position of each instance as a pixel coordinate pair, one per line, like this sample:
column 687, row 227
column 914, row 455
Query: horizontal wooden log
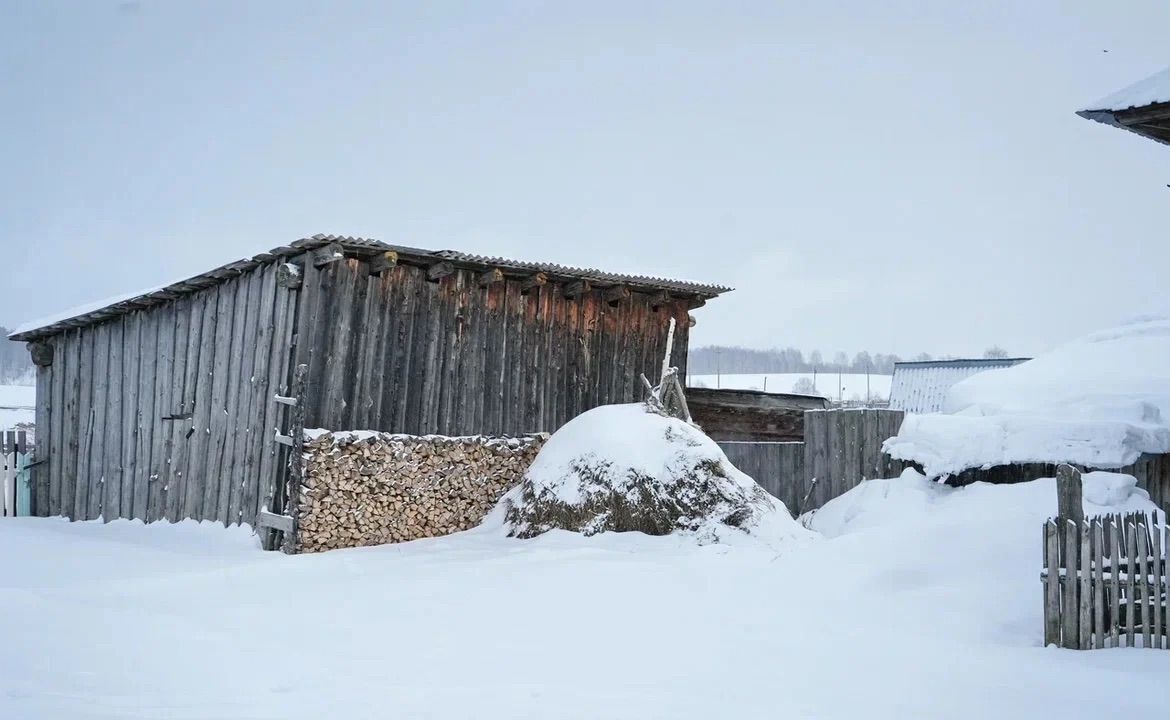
column 577, row 288
column 616, row 294
column 289, row 275
column 327, row 254
column 383, row 261
column 284, row 399
column 439, row 270
column 42, row 353
column 491, row 277
column 533, row 281
column 661, row 300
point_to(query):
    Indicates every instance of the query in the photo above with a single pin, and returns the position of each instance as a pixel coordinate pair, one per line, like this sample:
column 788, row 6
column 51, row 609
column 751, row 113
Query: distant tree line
column 15, row 366
column 732, row 359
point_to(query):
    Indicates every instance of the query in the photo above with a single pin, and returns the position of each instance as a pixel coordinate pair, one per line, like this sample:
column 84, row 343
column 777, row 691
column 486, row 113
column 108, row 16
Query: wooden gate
column 14, row 474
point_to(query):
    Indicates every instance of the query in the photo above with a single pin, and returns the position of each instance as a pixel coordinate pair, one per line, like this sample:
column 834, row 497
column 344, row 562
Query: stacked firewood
column 374, row 488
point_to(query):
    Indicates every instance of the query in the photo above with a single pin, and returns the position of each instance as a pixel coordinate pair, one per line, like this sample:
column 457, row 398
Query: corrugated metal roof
column 921, row 387
column 361, row 246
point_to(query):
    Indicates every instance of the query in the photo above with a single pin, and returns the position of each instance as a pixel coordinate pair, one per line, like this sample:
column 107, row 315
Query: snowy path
column 934, row 619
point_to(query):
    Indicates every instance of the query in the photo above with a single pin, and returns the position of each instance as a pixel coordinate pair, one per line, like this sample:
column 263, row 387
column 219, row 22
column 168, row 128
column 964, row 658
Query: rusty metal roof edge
column 217, row 275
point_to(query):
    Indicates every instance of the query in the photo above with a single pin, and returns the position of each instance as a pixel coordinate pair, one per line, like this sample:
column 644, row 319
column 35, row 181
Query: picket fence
column 1104, row 577
column 14, row 474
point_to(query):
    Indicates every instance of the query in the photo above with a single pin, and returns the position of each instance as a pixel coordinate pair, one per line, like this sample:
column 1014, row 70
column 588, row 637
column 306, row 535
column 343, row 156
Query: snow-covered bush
column 621, row 468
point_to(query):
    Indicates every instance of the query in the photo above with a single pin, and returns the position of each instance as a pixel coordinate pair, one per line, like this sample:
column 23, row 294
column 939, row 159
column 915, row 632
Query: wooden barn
column 175, row 403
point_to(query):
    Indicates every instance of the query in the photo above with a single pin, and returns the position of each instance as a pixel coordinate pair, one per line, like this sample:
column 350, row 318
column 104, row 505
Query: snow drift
column 1100, row 401
column 622, row 468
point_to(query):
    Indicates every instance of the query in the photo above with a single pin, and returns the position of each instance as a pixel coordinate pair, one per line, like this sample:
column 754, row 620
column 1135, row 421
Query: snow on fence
column 1104, row 577
column 841, row 448
column 14, row 474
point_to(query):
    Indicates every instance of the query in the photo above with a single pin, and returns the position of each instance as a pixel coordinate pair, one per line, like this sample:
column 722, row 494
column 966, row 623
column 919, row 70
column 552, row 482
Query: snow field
column 850, row 386
column 920, row 601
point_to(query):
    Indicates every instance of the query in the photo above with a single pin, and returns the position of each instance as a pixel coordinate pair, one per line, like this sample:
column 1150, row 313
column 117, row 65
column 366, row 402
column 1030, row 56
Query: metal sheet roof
column 357, row 246
column 921, row 387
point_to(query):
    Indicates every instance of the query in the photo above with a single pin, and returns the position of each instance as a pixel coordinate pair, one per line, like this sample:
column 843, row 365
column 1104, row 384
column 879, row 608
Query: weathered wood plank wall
column 167, row 412
column 467, row 354
column 841, row 448
column 777, row 466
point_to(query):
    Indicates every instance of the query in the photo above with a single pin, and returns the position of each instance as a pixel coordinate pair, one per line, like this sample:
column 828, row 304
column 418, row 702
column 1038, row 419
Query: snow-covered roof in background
column 1142, row 108
column 1100, row 401
column 111, row 307
column 921, row 387
column 1154, row 89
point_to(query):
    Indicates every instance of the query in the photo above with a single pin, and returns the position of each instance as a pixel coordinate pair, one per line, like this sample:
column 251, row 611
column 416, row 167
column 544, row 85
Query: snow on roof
column 1154, row 89
column 921, row 387
column 94, row 312
column 1100, row 401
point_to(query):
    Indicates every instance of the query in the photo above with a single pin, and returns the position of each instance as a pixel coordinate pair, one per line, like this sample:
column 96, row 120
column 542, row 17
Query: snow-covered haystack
column 621, row 468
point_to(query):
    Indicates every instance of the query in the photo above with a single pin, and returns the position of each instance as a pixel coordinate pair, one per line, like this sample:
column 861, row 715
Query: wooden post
column 1068, row 494
column 296, row 461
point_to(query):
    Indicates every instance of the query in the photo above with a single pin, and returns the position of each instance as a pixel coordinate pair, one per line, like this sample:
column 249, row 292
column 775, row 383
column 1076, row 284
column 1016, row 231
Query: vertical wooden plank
column 197, row 485
column 57, row 423
column 115, row 422
column 1051, row 584
column 282, row 327
column 1157, row 575
column 355, row 343
column 166, row 325
column 1098, row 545
column 240, row 384
column 74, row 425
column 1112, row 526
column 405, row 398
column 178, row 426
column 85, row 419
column 259, row 395
column 144, row 477
column 96, row 470
column 1084, row 591
column 1143, row 598
column 1131, row 553
column 215, row 506
column 44, row 441
column 131, row 358
column 1070, row 603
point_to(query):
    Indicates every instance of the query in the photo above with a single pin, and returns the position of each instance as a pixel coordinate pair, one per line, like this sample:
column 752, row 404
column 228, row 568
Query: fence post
column 1068, row 494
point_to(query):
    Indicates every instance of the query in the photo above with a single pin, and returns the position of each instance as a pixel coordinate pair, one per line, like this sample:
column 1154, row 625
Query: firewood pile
column 374, row 488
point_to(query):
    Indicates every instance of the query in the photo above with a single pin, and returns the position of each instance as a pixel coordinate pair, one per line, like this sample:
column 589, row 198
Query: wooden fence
column 841, row 448
column 777, row 466
column 14, row 474
column 1104, row 578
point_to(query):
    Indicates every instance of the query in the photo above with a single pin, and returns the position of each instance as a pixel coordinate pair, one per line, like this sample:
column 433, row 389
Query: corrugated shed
column 103, row 310
column 921, row 387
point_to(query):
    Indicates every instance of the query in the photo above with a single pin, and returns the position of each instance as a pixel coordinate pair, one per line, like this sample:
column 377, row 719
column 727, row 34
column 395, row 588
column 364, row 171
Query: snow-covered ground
column 17, row 405
column 921, row 602
column 852, row 386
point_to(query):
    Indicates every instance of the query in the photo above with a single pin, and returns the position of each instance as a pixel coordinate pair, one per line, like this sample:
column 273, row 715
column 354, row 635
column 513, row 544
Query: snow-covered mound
column 622, row 468
column 1100, row 401
column 913, row 498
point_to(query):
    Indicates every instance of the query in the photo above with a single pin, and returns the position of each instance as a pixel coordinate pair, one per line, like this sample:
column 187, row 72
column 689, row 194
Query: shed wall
column 399, row 353
column 166, row 413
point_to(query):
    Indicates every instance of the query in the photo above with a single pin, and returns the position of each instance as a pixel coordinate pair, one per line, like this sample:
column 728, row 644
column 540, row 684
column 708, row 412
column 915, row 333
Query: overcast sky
column 892, row 176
